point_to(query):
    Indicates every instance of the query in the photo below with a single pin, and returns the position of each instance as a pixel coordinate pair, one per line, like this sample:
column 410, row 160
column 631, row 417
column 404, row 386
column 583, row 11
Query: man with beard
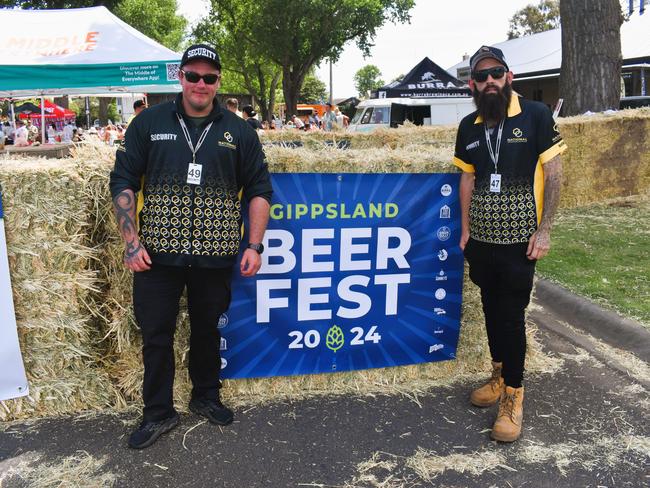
column 509, row 151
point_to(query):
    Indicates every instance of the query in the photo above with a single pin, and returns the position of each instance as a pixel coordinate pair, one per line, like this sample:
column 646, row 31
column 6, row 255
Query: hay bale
column 55, row 284
column 72, row 293
column 123, row 357
column 381, row 138
column 608, row 156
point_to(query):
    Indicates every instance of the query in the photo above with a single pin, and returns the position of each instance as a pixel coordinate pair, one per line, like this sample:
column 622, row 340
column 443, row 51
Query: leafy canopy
column 367, row 79
column 533, row 19
column 156, row 19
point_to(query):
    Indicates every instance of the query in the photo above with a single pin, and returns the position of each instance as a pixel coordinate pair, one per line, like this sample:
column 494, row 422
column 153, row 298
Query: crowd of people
column 26, row 133
column 332, row 118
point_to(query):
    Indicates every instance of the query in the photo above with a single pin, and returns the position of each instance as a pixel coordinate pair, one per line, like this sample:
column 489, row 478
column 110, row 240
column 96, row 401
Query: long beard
column 493, row 107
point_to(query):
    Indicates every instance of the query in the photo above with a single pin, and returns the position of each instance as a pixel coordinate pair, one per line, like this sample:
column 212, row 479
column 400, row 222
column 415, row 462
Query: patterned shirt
column 530, row 138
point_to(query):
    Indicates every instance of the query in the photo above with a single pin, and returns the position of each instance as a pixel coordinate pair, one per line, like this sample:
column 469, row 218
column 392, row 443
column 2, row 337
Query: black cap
column 138, row 104
column 487, row 52
column 249, row 111
column 203, row 52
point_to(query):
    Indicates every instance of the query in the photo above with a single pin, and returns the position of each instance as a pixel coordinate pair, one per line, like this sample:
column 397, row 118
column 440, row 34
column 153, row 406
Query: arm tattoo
column 124, row 204
column 552, row 183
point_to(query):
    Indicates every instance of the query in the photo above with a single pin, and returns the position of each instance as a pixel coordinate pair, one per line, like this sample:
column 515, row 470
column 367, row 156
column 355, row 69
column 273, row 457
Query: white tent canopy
column 72, row 51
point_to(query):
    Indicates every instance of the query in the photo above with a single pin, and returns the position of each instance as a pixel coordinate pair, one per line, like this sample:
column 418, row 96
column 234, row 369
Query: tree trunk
column 104, row 102
column 590, row 77
column 63, row 101
column 291, row 85
column 272, row 89
column 263, row 101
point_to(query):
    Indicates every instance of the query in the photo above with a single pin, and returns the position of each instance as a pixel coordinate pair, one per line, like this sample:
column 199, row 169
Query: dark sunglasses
column 482, row 75
column 209, row 79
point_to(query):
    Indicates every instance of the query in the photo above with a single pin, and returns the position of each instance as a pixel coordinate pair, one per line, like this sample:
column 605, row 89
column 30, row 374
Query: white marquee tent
column 80, row 51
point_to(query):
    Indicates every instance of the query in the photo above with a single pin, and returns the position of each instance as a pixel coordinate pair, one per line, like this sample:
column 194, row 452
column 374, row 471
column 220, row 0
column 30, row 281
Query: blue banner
column 359, row 271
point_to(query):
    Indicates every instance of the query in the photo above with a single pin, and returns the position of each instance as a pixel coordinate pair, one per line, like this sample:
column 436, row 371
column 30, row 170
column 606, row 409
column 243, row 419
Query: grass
column 601, row 252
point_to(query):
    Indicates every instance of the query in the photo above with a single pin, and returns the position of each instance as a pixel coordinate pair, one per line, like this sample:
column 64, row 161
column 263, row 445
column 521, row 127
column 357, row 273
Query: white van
column 391, row 112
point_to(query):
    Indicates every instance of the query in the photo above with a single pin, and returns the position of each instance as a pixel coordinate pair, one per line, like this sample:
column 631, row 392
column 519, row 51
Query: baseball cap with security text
column 203, row 52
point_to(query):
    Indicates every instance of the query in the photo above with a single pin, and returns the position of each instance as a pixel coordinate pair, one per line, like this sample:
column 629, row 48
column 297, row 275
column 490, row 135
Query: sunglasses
column 193, row 77
column 482, row 75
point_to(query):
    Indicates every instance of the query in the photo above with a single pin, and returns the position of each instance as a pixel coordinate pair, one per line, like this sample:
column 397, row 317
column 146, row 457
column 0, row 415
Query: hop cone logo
column 335, row 338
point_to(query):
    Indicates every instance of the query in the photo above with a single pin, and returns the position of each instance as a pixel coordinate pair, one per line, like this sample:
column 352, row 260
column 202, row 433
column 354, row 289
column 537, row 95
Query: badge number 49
column 194, row 174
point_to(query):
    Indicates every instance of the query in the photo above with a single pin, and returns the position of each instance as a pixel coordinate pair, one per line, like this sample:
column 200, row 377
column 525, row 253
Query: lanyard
column 186, row 133
column 494, row 156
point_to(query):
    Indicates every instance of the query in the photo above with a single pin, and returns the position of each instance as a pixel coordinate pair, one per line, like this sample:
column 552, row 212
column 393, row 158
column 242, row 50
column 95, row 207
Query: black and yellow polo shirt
column 530, row 138
column 180, row 223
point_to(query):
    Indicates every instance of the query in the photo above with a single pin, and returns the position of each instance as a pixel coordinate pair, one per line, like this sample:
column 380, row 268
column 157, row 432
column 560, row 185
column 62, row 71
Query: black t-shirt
column 530, row 138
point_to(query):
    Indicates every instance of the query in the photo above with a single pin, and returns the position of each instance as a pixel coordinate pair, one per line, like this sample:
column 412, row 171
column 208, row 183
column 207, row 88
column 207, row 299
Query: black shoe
column 213, row 410
column 147, row 433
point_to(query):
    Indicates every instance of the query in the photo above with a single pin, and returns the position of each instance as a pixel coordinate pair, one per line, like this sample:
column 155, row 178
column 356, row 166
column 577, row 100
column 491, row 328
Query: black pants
column 505, row 276
column 156, row 295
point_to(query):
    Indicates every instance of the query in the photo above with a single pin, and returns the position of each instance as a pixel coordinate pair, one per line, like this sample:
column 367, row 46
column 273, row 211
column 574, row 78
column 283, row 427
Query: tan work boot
column 507, row 427
column 489, row 393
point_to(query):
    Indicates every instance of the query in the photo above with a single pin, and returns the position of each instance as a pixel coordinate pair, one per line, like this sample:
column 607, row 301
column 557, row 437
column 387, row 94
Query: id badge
column 194, row 174
column 495, row 183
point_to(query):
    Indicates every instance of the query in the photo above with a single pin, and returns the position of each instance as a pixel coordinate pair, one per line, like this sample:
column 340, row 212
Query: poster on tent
column 359, row 271
column 13, row 382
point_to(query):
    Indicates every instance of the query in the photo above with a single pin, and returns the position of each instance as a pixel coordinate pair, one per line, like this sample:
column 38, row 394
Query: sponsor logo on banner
column 223, row 321
column 445, row 190
column 224, row 363
column 224, row 344
column 445, row 212
column 441, row 293
column 435, row 347
column 439, row 311
column 441, row 276
column 438, row 331
column 442, row 255
column 444, row 233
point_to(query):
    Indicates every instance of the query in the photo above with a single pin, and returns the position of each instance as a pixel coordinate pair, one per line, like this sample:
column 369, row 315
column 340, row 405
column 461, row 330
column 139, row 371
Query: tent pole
column 87, row 113
column 331, row 88
column 42, row 120
column 13, row 115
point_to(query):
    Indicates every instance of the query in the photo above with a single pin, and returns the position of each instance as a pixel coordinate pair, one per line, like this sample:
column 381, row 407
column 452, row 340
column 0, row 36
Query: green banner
column 86, row 76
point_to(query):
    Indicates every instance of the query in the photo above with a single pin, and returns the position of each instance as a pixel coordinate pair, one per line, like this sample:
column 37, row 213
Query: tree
column 297, row 34
column 156, row 19
column 591, row 55
column 314, row 90
column 58, row 4
column 367, row 79
column 533, row 19
column 244, row 68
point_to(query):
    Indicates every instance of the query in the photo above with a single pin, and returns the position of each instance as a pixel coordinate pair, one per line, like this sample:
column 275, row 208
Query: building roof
column 543, row 52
